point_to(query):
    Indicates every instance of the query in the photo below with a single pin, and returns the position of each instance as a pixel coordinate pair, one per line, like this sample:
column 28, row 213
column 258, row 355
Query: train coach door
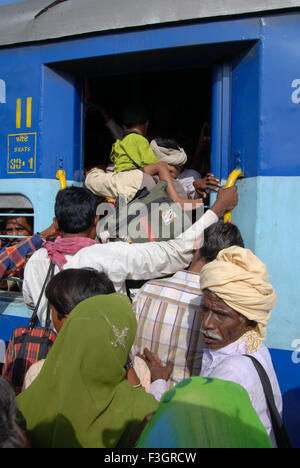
column 235, row 114
column 63, row 120
column 245, row 111
column 235, row 132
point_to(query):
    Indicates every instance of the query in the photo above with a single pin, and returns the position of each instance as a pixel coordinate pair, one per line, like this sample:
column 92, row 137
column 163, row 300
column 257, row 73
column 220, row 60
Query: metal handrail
column 233, row 176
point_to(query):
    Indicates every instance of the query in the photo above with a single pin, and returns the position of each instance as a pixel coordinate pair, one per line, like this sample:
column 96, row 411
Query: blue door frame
column 221, row 120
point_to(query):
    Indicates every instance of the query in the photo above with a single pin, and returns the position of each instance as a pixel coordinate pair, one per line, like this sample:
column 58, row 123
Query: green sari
column 81, row 397
column 201, row 412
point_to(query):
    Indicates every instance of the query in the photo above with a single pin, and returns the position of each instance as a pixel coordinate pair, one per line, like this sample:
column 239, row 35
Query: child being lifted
column 134, row 152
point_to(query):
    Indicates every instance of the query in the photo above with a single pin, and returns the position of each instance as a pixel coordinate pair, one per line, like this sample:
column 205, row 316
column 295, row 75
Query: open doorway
column 180, row 85
column 179, row 104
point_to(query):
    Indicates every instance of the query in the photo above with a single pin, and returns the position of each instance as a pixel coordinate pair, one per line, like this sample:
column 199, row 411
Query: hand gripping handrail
column 235, row 174
column 61, row 176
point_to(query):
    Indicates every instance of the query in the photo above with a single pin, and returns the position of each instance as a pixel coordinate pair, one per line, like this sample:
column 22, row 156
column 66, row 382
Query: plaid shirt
column 13, row 258
column 167, row 313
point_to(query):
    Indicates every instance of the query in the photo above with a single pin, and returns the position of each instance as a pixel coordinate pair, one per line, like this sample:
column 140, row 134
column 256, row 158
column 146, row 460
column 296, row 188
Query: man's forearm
column 164, row 258
column 121, row 261
column 193, row 237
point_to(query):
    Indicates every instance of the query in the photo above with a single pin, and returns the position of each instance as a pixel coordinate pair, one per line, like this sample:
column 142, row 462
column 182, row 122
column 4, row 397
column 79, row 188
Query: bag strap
column 34, row 318
column 281, row 436
column 48, row 315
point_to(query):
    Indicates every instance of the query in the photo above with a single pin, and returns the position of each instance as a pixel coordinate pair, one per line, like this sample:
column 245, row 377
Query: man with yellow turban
column 235, row 309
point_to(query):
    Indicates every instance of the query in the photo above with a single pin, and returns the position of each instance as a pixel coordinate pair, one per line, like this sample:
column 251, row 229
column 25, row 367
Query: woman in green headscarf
column 201, row 412
column 81, row 397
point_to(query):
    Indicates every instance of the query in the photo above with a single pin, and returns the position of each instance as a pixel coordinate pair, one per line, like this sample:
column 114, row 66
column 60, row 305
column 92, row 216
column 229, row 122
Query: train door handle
column 235, row 174
column 61, row 176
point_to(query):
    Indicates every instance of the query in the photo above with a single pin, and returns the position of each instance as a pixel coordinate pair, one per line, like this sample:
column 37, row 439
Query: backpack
column 151, row 216
column 28, row 345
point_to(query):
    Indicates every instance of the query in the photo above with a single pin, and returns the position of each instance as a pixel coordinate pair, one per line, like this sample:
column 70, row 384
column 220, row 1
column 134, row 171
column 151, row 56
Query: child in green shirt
column 134, row 152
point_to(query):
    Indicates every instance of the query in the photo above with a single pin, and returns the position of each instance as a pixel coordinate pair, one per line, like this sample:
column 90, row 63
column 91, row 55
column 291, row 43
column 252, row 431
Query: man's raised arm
column 121, row 261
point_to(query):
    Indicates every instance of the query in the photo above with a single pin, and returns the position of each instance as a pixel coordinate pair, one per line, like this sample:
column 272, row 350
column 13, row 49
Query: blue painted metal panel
column 216, row 121
column 8, row 323
column 158, row 38
column 41, row 193
column 270, row 229
column 48, row 123
column 61, row 136
column 288, row 374
column 280, row 103
column 221, row 121
column 13, row 314
column 245, row 111
column 18, row 118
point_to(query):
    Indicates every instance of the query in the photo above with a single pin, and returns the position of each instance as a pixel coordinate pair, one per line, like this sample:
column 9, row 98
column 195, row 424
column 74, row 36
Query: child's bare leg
column 161, row 168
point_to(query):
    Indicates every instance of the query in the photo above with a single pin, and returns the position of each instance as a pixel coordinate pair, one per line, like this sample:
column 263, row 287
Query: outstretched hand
column 157, row 370
column 209, row 182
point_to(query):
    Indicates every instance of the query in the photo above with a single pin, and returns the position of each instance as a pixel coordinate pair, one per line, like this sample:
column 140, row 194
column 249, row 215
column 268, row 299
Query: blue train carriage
column 235, row 67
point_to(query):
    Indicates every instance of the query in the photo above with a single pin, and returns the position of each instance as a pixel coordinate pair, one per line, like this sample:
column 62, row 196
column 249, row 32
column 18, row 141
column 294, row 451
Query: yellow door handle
column 235, row 174
column 61, row 176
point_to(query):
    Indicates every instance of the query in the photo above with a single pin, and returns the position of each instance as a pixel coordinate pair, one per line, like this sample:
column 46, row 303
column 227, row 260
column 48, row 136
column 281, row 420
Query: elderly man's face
column 220, row 324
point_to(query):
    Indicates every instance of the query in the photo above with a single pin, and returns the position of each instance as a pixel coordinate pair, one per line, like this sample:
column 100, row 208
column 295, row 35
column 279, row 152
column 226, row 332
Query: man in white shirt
column 76, row 219
column 235, row 309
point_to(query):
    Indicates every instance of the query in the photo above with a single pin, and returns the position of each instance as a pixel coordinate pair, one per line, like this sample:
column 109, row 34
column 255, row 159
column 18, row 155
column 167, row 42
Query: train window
column 16, row 223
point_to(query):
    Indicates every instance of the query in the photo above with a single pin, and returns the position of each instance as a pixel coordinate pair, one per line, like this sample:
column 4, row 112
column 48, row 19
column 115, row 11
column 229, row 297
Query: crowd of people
column 165, row 367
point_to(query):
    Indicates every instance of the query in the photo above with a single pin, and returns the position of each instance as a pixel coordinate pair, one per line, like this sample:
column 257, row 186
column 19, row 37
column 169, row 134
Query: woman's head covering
column 202, row 412
column 173, row 154
column 240, row 279
column 81, row 397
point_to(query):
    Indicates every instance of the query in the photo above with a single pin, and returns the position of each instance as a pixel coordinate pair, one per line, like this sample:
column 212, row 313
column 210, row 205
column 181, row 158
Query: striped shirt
column 167, row 313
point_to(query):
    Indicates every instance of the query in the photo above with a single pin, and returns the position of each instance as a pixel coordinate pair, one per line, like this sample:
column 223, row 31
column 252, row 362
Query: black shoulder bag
column 281, row 436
